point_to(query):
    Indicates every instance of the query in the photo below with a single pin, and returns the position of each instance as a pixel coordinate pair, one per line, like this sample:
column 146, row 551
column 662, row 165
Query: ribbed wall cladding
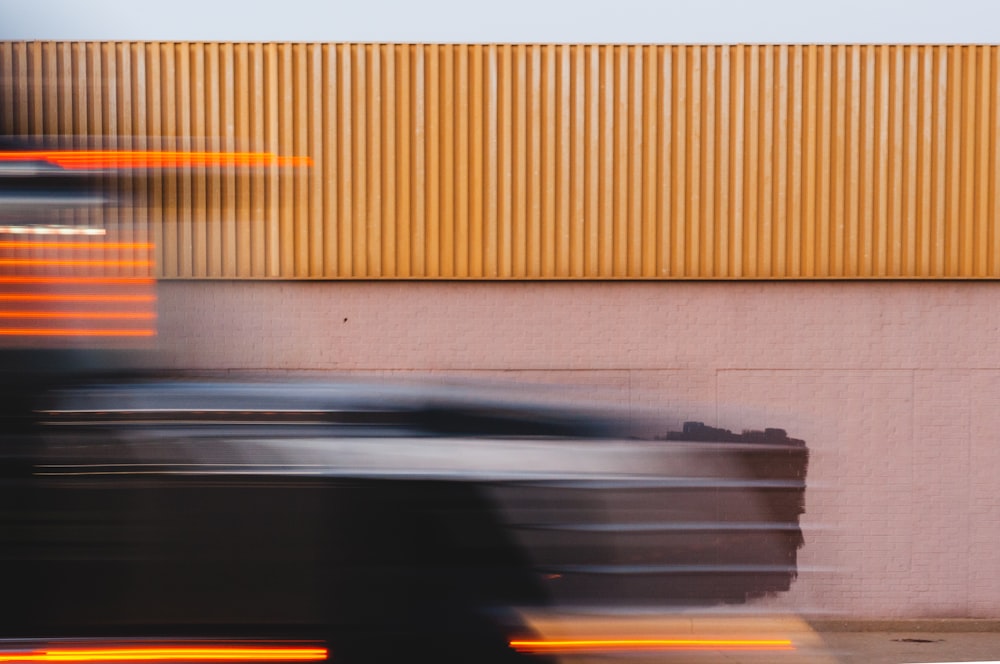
column 540, row 161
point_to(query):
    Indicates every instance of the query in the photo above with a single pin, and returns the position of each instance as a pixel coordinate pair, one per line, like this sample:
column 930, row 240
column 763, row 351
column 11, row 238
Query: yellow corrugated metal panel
column 540, row 161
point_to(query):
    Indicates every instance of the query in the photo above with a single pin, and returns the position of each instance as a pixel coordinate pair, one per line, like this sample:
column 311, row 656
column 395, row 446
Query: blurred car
column 381, row 520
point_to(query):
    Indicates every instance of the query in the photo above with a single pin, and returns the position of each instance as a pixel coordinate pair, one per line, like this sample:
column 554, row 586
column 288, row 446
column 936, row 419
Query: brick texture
column 894, row 386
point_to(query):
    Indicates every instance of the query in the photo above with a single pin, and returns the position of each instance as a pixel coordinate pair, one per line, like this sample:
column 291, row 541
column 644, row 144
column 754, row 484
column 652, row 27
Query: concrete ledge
column 937, row 625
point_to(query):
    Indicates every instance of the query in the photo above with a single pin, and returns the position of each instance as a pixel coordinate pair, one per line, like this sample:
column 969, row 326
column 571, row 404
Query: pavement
column 756, row 639
column 912, row 647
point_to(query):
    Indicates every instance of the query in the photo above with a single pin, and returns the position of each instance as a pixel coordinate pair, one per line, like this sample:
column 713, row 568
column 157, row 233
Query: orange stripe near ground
column 588, row 645
column 168, row 654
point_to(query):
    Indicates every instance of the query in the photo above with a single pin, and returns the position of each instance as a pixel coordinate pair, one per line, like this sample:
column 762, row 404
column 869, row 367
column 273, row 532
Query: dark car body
column 381, row 520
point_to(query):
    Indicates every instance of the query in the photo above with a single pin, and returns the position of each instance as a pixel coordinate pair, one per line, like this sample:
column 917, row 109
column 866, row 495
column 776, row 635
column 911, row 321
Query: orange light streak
column 128, row 315
column 32, row 297
column 122, row 281
column 26, row 244
column 582, row 645
column 48, row 332
column 51, row 230
column 71, row 262
column 169, row 654
column 138, row 159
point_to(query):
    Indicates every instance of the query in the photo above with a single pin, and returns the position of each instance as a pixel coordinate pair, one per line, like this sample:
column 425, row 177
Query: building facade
column 802, row 237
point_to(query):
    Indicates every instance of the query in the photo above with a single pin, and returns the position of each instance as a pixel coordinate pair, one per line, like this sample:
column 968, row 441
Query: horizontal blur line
column 93, row 246
column 582, row 645
column 168, row 654
column 122, row 281
column 699, row 526
column 674, row 483
column 123, row 315
column 181, row 416
column 507, row 477
column 631, row 570
column 75, row 263
column 241, row 411
column 242, row 471
column 515, row 478
column 50, row 200
column 43, row 332
column 32, row 297
column 178, row 465
column 124, row 159
column 52, row 230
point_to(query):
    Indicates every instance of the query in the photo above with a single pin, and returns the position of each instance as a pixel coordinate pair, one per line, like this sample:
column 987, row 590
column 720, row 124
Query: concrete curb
column 939, row 625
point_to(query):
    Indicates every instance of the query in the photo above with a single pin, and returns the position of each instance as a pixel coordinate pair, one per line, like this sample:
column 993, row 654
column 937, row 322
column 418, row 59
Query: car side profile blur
column 379, row 520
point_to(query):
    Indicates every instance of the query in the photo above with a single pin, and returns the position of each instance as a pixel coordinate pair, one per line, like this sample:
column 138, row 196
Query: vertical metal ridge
column 226, row 265
column 663, row 182
column 297, row 251
column 850, row 252
column 503, row 233
column 563, row 150
column 927, row 162
column 360, row 108
column 695, row 160
column 723, row 266
column 776, row 79
column 981, row 173
column 766, row 158
column 645, row 261
column 547, row 93
column 432, row 150
column 313, row 224
column 738, row 133
column 838, row 145
column 212, row 216
column 993, row 122
column 403, row 173
column 793, row 187
column 967, row 172
column 389, row 164
column 678, row 168
column 534, row 160
column 526, row 256
column 489, row 169
column 447, row 162
column 270, row 223
column 752, row 222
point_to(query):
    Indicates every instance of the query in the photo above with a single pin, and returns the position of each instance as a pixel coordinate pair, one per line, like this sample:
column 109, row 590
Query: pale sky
column 477, row 21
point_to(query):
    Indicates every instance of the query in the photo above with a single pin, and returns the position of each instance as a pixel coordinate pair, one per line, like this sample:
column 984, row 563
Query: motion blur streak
column 25, row 244
column 31, row 297
column 585, row 645
column 169, row 654
column 80, row 281
column 43, row 332
column 78, row 314
column 77, row 263
column 115, row 159
column 51, row 230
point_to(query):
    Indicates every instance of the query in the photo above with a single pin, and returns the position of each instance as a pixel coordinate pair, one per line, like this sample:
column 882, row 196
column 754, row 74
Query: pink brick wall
column 894, row 386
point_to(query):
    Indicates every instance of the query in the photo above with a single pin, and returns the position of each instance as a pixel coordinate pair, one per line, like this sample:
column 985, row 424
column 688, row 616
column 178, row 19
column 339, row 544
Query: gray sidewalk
column 911, row 647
